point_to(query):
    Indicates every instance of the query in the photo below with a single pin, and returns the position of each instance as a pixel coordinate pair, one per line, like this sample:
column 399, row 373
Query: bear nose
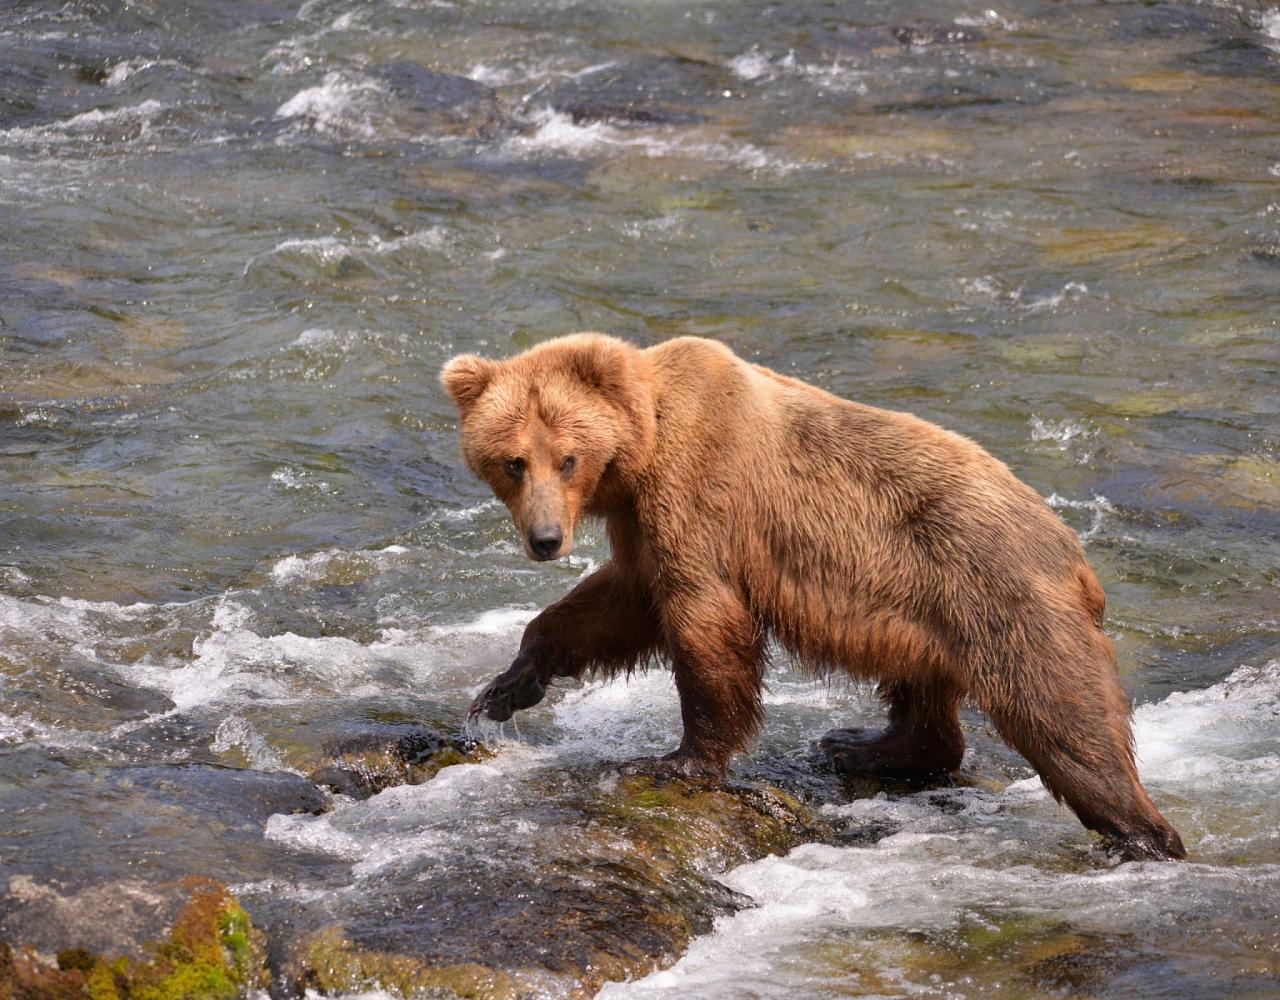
column 545, row 542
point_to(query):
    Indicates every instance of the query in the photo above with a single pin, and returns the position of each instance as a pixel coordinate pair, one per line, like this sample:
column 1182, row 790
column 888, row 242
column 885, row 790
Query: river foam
column 342, row 104
column 134, row 120
column 554, row 132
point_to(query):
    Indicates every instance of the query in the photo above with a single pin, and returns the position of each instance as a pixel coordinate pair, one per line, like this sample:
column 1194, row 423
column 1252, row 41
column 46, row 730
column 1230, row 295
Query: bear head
column 556, row 432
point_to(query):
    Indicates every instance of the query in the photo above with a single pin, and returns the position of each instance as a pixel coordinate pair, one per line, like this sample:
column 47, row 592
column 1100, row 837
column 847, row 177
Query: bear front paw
column 507, row 694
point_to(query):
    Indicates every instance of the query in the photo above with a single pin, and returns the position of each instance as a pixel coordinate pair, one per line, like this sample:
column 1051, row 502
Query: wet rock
column 166, row 822
column 90, row 380
column 128, row 939
column 443, row 102
column 1243, row 55
column 585, row 111
column 934, row 33
column 333, row 964
column 365, row 764
column 231, row 795
column 948, row 95
column 916, row 34
column 1081, row 246
column 630, row 881
column 1247, row 482
column 453, row 186
column 869, row 139
column 352, row 747
column 1164, row 81
column 1075, row 973
column 660, row 90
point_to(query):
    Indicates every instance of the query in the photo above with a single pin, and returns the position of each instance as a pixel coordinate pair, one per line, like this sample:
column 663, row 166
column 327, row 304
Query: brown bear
column 742, row 504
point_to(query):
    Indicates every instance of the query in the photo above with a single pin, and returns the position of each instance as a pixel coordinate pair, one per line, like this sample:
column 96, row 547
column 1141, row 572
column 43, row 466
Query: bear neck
column 627, row 470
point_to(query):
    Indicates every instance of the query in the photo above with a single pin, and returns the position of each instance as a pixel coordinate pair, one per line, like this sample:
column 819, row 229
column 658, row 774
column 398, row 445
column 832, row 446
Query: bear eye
column 515, row 468
column 568, row 465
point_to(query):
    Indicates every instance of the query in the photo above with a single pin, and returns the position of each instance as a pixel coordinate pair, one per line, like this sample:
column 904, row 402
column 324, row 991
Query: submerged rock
column 333, row 964
column 157, row 823
column 916, row 34
column 647, row 91
column 183, row 940
column 441, row 102
column 588, row 111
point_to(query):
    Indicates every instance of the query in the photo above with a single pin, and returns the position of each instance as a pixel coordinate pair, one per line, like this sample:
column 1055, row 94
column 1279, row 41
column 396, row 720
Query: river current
column 238, row 240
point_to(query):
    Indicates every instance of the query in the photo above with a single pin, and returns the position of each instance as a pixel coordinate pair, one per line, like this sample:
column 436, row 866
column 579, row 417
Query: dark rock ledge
column 612, row 878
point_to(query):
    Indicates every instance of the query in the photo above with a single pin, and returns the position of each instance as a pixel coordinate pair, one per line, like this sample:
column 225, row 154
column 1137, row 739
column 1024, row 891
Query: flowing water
column 238, row 241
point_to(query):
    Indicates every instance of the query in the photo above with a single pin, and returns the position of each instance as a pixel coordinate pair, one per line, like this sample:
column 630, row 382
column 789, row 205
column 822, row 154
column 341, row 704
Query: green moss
column 186, row 981
column 212, row 953
column 237, row 938
column 103, row 981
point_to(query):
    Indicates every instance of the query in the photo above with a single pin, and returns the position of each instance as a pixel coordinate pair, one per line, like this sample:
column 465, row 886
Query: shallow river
column 239, row 239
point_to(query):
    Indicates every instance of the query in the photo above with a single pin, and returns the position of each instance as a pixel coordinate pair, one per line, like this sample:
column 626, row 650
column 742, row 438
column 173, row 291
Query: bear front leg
column 605, row 623
column 716, row 655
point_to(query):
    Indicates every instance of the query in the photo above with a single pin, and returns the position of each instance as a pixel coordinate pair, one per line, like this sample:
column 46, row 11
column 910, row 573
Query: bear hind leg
column 923, row 739
column 1082, row 750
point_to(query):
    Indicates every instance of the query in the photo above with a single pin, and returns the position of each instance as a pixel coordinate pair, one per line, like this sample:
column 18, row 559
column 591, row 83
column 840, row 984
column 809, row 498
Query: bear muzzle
column 545, row 541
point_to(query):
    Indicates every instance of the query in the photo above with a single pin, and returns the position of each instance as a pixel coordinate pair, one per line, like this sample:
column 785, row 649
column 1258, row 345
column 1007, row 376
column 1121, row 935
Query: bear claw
column 507, row 694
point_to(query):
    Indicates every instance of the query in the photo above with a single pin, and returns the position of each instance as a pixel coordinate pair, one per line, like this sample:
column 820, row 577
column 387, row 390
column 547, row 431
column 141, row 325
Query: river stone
column 364, row 764
column 915, row 34
column 114, row 918
column 182, row 939
column 445, row 103
column 232, row 796
column 588, row 111
column 631, row 880
column 156, row 822
column 353, row 747
column 657, row 90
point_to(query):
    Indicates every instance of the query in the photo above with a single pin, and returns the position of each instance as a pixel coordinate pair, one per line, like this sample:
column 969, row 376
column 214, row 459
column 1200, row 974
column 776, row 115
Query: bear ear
column 601, row 362
column 465, row 379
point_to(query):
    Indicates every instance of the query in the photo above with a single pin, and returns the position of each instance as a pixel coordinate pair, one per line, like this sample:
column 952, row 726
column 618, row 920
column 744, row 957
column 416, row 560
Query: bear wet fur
column 742, row 504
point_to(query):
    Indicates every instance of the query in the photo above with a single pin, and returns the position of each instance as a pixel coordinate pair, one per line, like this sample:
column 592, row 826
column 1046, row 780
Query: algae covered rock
column 183, row 940
column 365, row 764
column 334, row 965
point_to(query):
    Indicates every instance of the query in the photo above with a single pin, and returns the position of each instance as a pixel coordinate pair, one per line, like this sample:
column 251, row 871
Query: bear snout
column 545, row 541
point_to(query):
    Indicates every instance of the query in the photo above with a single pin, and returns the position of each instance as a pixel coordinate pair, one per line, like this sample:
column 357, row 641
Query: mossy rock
column 365, row 765
column 211, row 951
column 1007, row 956
column 334, row 965
column 1246, row 482
column 711, row 827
